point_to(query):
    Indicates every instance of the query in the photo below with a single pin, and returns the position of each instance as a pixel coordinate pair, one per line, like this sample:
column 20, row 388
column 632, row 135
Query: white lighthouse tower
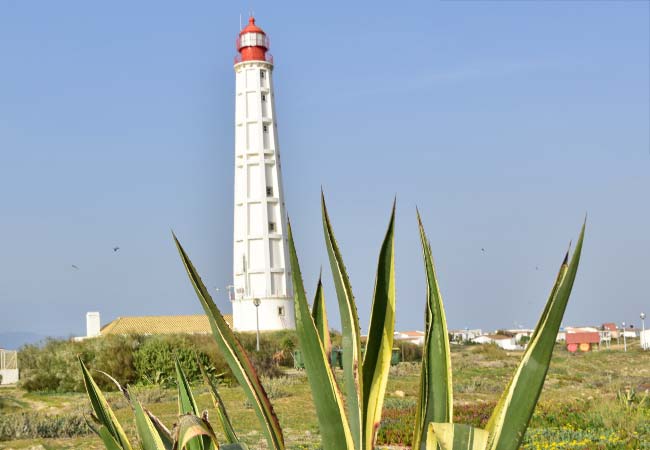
column 262, row 294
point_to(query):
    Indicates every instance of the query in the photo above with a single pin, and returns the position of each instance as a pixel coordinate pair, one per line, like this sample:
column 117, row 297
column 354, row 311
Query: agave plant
column 352, row 424
column 192, row 430
column 507, row 425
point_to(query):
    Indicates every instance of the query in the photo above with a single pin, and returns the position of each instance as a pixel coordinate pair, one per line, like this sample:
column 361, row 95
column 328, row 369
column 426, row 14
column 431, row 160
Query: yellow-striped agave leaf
column 435, row 403
column 164, row 432
column 379, row 346
column 107, row 439
column 147, row 432
column 228, row 429
column 190, row 428
column 236, row 357
column 319, row 314
column 512, row 414
column 110, row 430
column 334, row 430
column 186, row 403
column 351, row 336
column 453, row 436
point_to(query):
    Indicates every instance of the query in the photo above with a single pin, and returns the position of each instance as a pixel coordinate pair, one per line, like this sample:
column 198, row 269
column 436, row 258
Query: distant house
column 503, row 341
column 150, row 325
column 611, row 327
column 520, row 334
column 464, row 335
column 414, row 337
column 582, row 340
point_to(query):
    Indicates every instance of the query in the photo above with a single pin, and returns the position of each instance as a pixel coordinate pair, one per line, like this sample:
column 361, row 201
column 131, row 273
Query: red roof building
column 582, row 341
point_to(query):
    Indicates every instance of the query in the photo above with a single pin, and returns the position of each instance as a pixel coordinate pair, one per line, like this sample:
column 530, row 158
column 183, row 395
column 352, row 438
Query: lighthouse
column 262, row 296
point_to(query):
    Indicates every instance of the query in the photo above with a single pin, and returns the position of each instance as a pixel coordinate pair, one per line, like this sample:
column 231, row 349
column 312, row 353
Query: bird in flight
column 75, row 267
column 483, row 250
column 115, row 249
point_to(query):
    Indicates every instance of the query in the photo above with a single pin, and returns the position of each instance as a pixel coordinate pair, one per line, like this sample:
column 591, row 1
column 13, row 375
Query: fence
column 8, row 366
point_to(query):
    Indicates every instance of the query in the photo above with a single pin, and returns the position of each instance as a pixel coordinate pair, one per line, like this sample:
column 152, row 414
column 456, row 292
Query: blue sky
column 504, row 122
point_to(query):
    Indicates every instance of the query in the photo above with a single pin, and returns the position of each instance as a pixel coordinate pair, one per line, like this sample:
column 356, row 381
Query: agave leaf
column 161, row 429
column 319, row 314
column 107, row 438
column 228, row 429
column 103, row 411
column 147, row 432
column 453, row 436
column 186, row 402
column 236, row 357
column 379, row 347
column 327, row 399
column 191, row 427
column 351, row 338
column 512, row 414
column 435, row 403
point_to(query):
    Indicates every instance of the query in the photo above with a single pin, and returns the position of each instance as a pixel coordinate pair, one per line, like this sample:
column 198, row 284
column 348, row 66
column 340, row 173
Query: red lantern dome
column 252, row 44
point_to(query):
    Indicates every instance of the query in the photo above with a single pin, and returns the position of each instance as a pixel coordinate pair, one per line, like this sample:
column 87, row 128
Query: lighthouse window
column 263, row 97
column 269, row 191
column 265, row 128
column 262, row 74
column 272, row 227
column 280, row 310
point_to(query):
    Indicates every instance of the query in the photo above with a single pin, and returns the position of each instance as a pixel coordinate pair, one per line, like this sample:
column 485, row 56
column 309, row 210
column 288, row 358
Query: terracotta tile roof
column 586, row 337
column 610, row 326
column 412, row 333
column 192, row 324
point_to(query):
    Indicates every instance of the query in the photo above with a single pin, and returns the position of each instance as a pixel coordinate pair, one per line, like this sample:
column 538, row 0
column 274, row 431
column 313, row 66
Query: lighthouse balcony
column 267, row 58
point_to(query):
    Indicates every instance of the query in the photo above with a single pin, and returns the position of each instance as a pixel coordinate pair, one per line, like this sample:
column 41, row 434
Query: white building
column 505, row 342
column 414, row 337
column 465, row 334
column 261, row 271
column 8, row 366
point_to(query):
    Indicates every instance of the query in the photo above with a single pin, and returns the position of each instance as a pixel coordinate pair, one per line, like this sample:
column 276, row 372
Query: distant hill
column 13, row 340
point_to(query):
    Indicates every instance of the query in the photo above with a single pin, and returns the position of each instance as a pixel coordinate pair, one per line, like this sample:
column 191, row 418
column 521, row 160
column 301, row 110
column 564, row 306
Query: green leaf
column 319, row 314
column 236, row 357
column 186, row 402
column 107, row 438
column 351, row 338
column 147, row 432
column 228, row 429
column 161, row 429
column 435, row 403
column 379, row 346
column 103, row 411
column 334, row 430
column 451, row 436
column 512, row 414
column 191, row 427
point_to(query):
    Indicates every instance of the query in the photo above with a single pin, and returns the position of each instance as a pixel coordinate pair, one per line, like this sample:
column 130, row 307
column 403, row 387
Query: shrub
column 154, row 359
column 32, row 425
column 50, row 366
column 410, row 352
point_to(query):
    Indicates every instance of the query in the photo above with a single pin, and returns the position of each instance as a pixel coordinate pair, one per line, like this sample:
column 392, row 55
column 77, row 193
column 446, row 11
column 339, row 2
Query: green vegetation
column 579, row 401
column 354, row 422
column 143, row 360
